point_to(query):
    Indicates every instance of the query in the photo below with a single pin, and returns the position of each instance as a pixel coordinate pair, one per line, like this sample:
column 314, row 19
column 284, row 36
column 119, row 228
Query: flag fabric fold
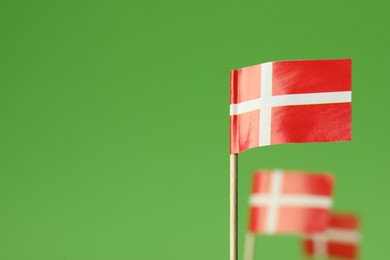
column 340, row 240
column 290, row 102
column 290, row 202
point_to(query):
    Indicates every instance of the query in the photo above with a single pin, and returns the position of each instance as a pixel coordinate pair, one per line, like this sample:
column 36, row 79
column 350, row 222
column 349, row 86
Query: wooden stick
column 249, row 246
column 233, row 207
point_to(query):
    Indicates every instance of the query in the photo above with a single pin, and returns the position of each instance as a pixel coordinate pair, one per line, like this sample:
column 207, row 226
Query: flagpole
column 233, row 207
column 249, row 246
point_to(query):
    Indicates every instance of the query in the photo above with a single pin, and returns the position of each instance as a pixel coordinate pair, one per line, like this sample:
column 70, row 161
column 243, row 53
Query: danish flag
column 290, row 102
column 290, row 202
column 340, row 240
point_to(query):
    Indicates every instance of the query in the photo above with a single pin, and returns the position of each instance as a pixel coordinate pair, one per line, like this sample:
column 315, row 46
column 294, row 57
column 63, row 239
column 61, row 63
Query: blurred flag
column 290, row 102
column 290, row 202
column 340, row 240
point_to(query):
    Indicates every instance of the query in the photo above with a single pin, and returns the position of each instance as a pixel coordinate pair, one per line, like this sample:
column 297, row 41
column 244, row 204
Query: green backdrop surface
column 114, row 123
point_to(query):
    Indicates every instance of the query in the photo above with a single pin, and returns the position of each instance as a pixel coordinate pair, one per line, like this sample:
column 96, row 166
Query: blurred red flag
column 340, row 240
column 290, row 102
column 290, row 202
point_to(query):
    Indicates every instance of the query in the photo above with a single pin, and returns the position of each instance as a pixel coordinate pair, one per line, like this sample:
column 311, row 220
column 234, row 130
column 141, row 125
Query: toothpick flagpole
column 233, row 207
column 249, row 246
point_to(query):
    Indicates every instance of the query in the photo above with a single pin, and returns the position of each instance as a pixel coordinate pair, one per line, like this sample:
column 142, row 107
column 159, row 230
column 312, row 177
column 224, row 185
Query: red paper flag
column 340, row 240
column 290, row 202
column 290, row 102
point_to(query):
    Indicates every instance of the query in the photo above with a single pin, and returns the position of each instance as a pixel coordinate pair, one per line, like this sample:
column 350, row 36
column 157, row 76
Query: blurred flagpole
column 249, row 246
column 233, row 207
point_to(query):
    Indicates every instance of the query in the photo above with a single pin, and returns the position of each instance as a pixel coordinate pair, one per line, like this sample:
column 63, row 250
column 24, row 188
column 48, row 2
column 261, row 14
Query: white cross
column 338, row 235
column 275, row 199
column 267, row 101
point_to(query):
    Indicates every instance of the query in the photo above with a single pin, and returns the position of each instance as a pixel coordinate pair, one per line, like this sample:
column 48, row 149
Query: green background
column 114, row 123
